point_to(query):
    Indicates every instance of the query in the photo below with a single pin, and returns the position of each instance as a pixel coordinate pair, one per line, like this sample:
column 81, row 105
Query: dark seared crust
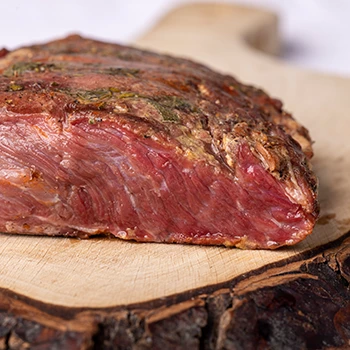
column 206, row 114
column 204, row 101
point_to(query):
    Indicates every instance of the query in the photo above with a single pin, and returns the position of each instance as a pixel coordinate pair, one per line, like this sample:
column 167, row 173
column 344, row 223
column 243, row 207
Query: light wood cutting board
column 103, row 273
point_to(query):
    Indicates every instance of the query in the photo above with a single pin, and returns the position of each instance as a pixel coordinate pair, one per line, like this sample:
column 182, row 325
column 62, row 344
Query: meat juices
column 103, row 138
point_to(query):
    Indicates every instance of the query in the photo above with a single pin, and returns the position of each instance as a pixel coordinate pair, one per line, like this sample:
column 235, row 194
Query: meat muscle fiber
column 101, row 138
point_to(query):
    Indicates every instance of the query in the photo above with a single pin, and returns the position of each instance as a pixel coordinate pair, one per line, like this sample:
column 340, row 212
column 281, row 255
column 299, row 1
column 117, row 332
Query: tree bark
column 298, row 304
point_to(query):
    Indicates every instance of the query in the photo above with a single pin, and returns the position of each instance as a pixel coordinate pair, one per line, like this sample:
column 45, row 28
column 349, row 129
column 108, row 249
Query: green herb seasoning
column 101, row 105
column 168, row 106
column 176, row 102
column 114, row 89
column 167, row 113
column 16, row 87
column 22, row 67
column 128, row 94
column 87, row 96
column 126, row 72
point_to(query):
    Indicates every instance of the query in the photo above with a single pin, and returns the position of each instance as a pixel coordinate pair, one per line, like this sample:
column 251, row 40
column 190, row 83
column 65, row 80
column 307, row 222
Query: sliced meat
column 101, row 138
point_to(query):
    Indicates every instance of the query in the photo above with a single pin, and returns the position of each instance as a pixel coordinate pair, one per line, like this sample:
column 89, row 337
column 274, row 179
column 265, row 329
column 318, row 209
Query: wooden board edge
column 304, row 299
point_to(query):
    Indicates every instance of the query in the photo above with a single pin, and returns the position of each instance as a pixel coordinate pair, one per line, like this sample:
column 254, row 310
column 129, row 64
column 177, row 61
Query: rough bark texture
column 300, row 304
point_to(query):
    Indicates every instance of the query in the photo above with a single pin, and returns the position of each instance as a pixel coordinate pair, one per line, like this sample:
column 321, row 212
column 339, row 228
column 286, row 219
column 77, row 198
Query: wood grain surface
column 72, row 293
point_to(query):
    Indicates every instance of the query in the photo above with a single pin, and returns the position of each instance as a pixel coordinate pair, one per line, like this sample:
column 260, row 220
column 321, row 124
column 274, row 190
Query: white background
column 316, row 33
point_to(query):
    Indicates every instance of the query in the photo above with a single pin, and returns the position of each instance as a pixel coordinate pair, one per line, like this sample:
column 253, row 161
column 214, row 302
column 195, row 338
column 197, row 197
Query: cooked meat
column 101, row 138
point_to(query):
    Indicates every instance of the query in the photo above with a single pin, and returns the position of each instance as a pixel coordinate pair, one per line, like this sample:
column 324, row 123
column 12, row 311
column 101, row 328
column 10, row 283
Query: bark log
column 299, row 304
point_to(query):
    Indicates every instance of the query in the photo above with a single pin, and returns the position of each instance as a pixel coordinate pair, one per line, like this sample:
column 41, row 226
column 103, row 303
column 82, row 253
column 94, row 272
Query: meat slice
column 99, row 138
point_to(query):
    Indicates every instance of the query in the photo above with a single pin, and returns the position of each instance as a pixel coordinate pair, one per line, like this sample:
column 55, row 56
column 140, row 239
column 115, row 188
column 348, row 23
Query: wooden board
column 75, row 287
